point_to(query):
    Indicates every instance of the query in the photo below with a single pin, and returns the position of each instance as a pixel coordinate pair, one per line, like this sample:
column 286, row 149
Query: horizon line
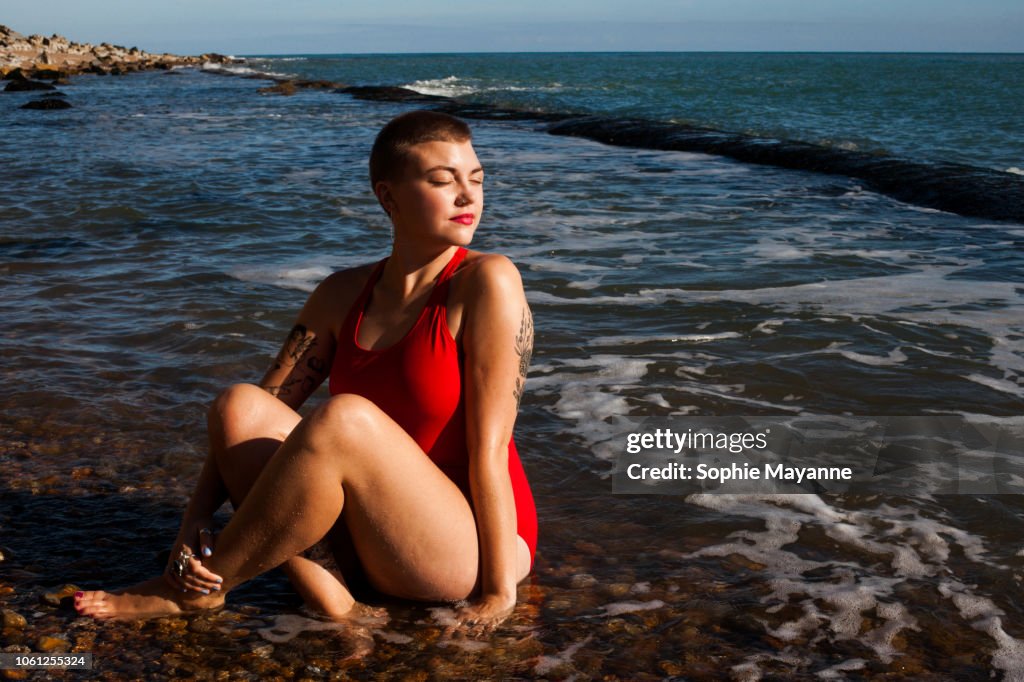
column 498, row 52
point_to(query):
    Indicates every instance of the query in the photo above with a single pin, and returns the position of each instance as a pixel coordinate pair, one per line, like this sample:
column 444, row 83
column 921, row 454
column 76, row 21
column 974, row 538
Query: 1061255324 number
column 9, row 661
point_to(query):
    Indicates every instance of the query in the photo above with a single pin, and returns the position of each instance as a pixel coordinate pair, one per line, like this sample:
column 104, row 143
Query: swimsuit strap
column 439, row 296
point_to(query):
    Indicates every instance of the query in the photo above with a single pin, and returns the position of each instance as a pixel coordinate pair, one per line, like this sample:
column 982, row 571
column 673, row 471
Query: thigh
column 246, row 426
column 412, row 527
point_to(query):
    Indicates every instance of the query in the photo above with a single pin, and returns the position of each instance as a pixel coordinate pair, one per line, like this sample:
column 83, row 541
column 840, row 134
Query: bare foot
column 149, row 599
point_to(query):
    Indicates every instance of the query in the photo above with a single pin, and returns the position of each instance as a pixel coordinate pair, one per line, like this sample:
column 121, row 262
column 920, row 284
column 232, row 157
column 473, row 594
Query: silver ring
column 181, row 563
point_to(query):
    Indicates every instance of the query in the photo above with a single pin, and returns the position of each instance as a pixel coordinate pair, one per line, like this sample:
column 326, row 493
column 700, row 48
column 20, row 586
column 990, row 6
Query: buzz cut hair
column 391, row 148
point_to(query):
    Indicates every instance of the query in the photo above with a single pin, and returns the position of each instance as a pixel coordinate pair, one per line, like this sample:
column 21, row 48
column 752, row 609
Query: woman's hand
column 185, row 570
column 485, row 614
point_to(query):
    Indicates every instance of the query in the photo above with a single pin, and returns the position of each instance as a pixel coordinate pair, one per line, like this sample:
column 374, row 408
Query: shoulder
column 332, row 298
column 348, row 282
column 485, row 273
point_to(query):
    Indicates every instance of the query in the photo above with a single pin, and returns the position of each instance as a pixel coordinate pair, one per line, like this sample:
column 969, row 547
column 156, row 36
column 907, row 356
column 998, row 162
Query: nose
column 466, row 194
column 464, row 199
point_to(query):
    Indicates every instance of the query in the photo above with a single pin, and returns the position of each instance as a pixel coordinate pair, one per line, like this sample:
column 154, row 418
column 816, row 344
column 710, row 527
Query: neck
column 411, row 269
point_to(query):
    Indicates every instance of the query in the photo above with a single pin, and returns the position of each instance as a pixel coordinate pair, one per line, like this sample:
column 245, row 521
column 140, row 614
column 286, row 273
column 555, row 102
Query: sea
column 158, row 239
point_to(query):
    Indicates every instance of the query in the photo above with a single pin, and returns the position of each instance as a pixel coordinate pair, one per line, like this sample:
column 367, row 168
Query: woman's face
column 440, row 196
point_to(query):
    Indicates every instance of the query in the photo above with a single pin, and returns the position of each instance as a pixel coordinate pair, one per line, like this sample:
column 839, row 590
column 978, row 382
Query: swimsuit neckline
column 375, row 276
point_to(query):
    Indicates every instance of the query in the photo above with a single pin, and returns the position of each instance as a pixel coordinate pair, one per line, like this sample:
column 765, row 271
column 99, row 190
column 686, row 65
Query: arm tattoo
column 282, row 390
column 318, row 366
column 299, row 343
column 524, row 349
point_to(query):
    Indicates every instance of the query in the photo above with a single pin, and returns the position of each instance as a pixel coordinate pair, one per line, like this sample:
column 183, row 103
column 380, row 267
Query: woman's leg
column 412, row 527
column 247, row 425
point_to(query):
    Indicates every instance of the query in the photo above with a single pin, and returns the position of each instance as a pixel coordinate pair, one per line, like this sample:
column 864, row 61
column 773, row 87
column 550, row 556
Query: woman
column 410, row 465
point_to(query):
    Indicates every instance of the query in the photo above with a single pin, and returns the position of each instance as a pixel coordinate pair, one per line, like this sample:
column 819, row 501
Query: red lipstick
column 465, row 218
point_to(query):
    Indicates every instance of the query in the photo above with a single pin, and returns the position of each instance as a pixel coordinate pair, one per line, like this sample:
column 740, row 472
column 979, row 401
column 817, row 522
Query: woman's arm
column 304, row 360
column 498, row 341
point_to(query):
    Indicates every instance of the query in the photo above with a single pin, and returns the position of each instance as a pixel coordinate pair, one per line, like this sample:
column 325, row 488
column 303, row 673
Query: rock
column 9, row 35
column 582, row 580
column 319, row 85
column 13, row 620
column 286, row 88
column 60, row 594
column 27, row 85
column 47, row 644
column 48, row 104
column 49, row 74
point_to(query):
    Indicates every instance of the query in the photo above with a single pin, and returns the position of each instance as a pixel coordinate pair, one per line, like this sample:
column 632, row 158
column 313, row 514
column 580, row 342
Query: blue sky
column 340, row 26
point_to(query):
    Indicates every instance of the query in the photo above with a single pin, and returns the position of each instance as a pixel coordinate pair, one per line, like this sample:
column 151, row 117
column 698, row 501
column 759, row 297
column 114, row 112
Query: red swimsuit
column 418, row 383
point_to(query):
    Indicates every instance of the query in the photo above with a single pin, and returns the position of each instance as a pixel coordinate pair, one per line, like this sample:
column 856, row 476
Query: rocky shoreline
column 27, row 63
column 57, row 57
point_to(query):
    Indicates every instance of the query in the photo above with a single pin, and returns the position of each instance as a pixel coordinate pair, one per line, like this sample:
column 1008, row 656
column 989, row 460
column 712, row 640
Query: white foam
column 238, row 70
column 839, row 670
column 928, row 296
column 1001, row 385
column 450, row 86
column 303, row 279
column 1015, row 170
column 288, row 626
column 895, row 357
column 833, row 604
column 546, row 664
column 768, row 326
column 619, row 608
column 984, row 616
column 628, row 340
column 394, row 637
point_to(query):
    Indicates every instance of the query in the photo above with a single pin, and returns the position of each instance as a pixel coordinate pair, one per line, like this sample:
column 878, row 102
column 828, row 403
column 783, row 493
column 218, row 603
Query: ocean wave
column 453, row 86
column 450, row 86
column 239, row 70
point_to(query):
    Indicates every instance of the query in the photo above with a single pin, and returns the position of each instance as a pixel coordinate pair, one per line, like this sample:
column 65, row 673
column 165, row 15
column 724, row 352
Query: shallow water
column 157, row 240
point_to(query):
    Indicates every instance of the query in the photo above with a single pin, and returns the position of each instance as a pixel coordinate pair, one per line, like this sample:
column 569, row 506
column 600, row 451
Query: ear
column 387, row 200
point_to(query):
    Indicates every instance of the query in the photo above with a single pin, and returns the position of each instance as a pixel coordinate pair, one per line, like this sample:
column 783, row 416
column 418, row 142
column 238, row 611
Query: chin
column 462, row 237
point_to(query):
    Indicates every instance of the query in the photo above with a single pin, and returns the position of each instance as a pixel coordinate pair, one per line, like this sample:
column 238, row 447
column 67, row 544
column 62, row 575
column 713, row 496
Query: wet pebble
column 12, row 620
column 201, row 625
column 55, row 597
column 617, row 590
column 588, row 547
column 47, row 644
column 582, row 580
column 263, row 651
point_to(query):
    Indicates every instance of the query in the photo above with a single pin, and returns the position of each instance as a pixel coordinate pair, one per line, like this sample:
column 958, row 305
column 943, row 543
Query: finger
column 178, row 568
column 174, row 581
column 206, row 542
column 203, row 576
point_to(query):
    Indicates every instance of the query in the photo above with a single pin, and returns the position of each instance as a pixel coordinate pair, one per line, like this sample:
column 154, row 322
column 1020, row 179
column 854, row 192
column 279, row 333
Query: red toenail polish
column 79, row 595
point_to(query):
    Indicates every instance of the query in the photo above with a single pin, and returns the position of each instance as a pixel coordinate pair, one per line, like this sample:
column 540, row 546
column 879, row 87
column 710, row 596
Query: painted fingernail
column 216, row 587
column 220, row 580
column 79, row 595
column 207, row 551
column 205, row 591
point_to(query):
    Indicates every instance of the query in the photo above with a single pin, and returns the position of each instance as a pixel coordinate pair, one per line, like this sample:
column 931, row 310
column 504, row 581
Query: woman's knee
column 234, row 411
column 342, row 421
